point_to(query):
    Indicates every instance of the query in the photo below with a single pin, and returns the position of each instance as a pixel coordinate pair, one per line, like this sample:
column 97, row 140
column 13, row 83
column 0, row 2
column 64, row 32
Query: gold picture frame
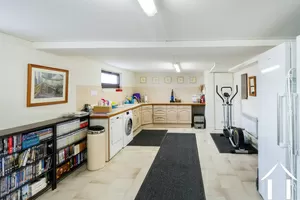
column 46, row 85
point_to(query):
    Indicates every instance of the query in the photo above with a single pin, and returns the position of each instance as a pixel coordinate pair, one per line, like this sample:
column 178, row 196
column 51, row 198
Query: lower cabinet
column 184, row 116
column 172, row 116
column 136, row 118
column 147, row 116
column 179, row 114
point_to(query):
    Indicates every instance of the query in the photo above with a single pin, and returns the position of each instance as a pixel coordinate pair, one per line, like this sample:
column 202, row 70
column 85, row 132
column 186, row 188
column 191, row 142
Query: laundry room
column 148, row 99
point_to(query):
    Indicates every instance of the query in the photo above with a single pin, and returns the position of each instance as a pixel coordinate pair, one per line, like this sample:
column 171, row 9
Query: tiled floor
column 225, row 176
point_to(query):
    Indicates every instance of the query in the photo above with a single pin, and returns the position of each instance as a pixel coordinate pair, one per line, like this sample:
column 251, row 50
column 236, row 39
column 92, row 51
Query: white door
column 221, row 79
column 298, row 138
column 273, row 70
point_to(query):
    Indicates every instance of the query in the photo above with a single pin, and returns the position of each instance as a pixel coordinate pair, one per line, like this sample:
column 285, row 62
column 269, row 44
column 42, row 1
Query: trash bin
column 96, row 148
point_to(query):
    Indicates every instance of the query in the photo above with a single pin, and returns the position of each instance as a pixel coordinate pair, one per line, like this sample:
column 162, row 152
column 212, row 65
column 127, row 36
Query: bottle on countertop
column 145, row 98
column 172, row 97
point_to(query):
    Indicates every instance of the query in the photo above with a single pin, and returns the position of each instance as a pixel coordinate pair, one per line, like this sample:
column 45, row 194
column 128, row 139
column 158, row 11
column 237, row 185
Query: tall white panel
column 274, row 65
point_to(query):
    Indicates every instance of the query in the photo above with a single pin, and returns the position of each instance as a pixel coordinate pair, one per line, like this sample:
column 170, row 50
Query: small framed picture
column 143, row 79
column 155, row 80
column 168, row 79
column 180, row 79
column 193, row 79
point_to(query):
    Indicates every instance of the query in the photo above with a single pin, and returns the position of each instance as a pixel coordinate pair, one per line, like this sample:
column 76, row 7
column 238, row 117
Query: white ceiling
column 176, row 20
column 161, row 59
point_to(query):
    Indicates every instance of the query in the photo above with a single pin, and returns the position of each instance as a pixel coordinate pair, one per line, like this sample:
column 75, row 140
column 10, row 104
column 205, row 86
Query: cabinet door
column 172, row 116
column 147, row 117
column 134, row 120
column 184, row 116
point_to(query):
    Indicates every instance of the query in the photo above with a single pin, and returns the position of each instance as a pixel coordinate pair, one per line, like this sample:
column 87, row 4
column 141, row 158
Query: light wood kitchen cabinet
column 172, row 116
column 184, row 116
column 147, row 115
column 139, row 122
column 136, row 118
column 159, row 119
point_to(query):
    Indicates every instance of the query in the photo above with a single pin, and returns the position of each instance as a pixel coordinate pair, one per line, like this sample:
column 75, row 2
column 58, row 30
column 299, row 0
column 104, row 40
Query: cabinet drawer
column 147, row 107
column 159, row 119
column 184, row 107
column 160, row 107
column 160, row 112
column 172, row 107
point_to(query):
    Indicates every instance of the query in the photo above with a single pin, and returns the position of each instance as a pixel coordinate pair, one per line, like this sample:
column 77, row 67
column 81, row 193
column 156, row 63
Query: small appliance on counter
column 87, row 108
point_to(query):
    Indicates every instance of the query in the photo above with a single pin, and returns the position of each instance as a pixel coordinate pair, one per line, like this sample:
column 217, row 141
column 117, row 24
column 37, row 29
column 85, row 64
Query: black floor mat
column 175, row 173
column 224, row 145
column 149, row 138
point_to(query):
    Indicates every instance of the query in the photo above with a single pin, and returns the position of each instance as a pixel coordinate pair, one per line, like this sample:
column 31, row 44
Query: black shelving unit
column 51, row 172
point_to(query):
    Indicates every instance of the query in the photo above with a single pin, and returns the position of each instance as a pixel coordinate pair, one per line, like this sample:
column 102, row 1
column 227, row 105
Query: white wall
column 14, row 57
column 209, row 97
column 248, row 106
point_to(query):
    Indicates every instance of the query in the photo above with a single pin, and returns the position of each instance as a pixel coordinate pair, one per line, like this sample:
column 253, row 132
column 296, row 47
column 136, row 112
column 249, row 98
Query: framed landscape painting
column 46, row 85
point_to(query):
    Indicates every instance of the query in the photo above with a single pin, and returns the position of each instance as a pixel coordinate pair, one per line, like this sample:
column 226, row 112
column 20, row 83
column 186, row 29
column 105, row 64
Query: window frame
column 108, row 85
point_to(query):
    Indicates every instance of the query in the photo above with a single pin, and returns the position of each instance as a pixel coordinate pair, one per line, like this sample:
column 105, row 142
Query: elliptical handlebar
column 227, row 87
column 236, row 91
column 217, row 91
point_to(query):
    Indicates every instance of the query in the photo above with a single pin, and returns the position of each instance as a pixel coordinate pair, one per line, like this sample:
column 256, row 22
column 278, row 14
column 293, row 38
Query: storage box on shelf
column 28, row 155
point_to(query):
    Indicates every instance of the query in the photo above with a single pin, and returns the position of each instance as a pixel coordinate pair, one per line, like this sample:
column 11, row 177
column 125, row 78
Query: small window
column 110, row 79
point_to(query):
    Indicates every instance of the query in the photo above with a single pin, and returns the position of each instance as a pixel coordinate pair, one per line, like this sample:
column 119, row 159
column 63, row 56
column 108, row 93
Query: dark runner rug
column 224, row 145
column 149, row 138
column 175, row 173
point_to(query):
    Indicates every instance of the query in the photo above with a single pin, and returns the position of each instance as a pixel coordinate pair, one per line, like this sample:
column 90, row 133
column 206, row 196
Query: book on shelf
column 69, row 151
column 18, row 178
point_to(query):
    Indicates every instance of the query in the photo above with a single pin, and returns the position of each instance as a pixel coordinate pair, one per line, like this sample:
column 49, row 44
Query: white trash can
column 96, row 148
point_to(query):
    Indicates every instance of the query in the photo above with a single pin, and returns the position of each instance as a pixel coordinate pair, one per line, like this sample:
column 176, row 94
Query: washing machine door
column 128, row 126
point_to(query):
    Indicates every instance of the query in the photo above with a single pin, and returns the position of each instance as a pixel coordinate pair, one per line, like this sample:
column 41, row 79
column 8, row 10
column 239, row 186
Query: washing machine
column 128, row 129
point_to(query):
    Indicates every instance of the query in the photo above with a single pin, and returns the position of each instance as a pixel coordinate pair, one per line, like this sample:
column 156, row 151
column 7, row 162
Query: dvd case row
column 12, row 162
column 16, row 143
column 27, row 191
column 72, row 138
column 18, row 178
column 75, row 161
column 69, row 151
column 67, row 127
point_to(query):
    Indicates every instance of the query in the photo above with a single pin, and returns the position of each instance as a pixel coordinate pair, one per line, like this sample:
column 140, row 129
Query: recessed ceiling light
column 148, row 6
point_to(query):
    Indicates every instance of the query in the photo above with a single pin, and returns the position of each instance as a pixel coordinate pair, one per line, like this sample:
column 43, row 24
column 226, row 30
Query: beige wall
column 85, row 96
column 161, row 92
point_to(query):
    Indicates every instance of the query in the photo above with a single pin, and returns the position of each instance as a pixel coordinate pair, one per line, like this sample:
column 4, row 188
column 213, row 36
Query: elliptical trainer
column 236, row 136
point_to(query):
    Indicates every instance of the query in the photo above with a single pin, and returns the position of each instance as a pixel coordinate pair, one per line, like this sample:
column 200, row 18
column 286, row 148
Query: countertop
column 127, row 107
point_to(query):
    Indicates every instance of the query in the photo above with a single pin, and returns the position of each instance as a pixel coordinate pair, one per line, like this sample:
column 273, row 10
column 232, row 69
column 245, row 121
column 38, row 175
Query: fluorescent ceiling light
column 177, row 68
column 269, row 69
column 213, row 67
column 148, row 6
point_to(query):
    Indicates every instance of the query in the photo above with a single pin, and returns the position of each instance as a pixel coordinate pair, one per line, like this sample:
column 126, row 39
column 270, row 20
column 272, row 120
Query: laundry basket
column 96, row 148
